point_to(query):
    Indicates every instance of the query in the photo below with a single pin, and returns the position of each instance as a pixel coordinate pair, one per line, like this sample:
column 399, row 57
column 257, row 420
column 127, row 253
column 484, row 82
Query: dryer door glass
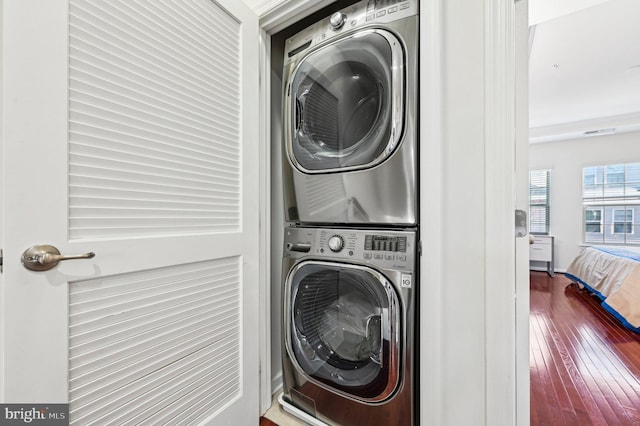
column 343, row 329
column 346, row 104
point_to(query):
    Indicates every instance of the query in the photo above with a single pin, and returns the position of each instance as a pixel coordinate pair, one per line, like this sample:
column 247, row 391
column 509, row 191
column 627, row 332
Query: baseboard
column 538, row 268
column 296, row 412
column 276, row 383
column 543, row 269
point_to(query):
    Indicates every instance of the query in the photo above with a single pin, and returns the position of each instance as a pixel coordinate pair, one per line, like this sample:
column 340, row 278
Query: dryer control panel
column 385, row 249
column 362, row 14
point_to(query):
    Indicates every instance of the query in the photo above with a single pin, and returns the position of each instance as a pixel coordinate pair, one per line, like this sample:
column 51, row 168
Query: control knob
column 336, row 243
column 337, row 20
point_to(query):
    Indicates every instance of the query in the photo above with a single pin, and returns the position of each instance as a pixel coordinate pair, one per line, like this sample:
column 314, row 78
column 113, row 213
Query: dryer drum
column 341, row 123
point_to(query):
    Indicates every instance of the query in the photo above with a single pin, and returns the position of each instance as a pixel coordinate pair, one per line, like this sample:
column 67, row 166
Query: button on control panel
column 380, row 8
column 337, row 20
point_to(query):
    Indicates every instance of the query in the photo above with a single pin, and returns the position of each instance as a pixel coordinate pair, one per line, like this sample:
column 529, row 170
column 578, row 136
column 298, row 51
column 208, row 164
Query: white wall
column 566, row 160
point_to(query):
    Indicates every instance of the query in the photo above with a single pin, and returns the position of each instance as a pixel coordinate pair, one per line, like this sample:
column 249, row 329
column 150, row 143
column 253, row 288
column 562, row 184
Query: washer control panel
column 380, row 8
column 386, row 249
column 362, row 14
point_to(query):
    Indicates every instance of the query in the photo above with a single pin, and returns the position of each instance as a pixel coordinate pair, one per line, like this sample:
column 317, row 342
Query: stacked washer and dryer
column 351, row 240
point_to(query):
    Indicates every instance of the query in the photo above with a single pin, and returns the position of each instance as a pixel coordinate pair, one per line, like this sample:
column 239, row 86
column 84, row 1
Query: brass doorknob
column 44, row 257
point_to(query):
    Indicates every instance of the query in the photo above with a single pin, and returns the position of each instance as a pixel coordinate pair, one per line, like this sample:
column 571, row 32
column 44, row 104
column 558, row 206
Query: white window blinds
column 539, row 201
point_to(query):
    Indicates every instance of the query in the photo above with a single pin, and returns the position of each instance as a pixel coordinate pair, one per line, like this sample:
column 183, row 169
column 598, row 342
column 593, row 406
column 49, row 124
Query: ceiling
column 584, row 67
column 546, row 10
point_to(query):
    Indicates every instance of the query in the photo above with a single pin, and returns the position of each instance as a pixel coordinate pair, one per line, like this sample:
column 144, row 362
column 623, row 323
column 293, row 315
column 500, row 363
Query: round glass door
column 346, row 103
column 342, row 331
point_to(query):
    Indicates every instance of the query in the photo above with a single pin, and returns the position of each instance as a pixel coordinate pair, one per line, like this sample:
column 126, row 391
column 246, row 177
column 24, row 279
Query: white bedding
column 615, row 278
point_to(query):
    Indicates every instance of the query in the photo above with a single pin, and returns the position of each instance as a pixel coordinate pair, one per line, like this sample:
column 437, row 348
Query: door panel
column 128, row 131
column 145, row 340
column 154, row 123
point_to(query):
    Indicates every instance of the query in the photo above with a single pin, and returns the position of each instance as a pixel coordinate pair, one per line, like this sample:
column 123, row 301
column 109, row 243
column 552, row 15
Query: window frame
column 624, row 222
column 593, row 222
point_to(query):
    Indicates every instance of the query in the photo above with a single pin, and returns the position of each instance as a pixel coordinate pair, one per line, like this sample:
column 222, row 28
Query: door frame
column 2, row 204
column 522, row 202
column 504, row 387
column 500, row 205
column 264, row 251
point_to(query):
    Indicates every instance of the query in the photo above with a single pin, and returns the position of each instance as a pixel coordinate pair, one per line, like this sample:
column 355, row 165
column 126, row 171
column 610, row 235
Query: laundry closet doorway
column 468, row 309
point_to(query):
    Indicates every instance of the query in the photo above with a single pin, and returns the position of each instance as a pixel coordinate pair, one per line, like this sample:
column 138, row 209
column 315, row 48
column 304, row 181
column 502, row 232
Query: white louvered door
column 129, row 129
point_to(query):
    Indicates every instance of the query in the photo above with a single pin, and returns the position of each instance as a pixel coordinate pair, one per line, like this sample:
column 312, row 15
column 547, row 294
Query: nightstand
column 542, row 251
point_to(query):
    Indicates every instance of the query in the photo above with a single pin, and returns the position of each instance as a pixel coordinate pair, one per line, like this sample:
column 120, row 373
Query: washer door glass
column 343, row 328
column 346, row 104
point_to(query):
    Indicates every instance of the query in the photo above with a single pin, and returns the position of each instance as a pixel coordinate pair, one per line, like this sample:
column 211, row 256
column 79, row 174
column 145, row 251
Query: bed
column 613, row 274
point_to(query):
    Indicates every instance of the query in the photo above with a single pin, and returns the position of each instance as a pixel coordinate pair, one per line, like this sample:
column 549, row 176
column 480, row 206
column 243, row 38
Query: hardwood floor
column 266, row 422
column 585, row 366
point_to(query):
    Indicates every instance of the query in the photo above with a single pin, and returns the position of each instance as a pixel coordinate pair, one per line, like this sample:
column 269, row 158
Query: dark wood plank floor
column 585, row 366
column 266, row 422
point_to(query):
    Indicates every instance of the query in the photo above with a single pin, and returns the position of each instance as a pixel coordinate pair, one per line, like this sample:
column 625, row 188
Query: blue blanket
column 620, row 252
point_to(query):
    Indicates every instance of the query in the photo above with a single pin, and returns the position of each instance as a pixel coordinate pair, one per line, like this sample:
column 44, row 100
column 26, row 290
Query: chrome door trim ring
column 398, row 88
column 395, row 332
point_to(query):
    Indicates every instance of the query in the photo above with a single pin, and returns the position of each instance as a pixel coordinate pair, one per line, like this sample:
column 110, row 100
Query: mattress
column 613, row 274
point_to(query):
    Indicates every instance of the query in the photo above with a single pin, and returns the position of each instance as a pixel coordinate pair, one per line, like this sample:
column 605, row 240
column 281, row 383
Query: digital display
column 385, row 243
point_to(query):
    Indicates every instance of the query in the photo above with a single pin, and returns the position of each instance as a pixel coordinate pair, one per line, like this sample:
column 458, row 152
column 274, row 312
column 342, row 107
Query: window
column 593, row 220
column 539, row 201
column 611, row 200
column 622, row 221
column 614, row 174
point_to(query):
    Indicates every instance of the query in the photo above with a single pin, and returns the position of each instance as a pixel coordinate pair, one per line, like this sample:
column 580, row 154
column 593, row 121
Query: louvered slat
column 154, row 121
column 154, row 342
